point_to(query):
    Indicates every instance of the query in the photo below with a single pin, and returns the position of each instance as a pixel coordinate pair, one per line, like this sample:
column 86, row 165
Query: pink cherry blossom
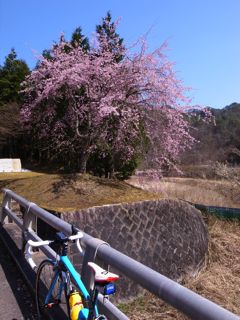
column 79, row 101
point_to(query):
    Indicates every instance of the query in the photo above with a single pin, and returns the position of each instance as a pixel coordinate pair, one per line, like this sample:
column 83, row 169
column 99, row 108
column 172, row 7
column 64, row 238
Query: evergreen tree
column 12, row 73
column 78, row 39
column 46, row 54
column 106, row 160
column 109, row 39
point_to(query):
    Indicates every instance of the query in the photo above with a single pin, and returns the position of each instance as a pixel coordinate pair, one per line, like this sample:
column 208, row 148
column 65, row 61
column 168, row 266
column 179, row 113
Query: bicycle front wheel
column 51, row 292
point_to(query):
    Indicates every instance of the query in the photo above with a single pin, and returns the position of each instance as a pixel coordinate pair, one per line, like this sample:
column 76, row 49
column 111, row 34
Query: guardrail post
column 29, row 223
column 90, row 256
column 91, row 251
column 4, row 218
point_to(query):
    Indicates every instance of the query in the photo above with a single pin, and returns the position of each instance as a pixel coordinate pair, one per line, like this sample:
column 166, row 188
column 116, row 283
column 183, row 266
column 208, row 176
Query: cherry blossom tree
column 79, row 102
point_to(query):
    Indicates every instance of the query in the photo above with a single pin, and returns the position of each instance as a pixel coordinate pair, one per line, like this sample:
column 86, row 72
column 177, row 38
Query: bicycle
column 58, row 280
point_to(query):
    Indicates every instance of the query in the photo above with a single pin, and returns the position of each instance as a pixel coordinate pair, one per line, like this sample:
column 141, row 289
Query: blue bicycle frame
column 77, row 280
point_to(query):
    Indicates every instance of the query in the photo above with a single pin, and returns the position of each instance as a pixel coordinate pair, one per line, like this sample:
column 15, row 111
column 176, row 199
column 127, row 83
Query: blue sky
column 203, row 35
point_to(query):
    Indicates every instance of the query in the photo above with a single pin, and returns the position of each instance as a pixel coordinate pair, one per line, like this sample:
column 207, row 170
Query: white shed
column 10, row 165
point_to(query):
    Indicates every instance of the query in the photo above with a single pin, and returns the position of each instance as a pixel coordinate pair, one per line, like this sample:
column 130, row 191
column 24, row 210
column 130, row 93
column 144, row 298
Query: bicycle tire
column 56, row 309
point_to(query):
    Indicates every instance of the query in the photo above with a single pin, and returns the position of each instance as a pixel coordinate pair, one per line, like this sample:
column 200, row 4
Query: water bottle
column 75, row 304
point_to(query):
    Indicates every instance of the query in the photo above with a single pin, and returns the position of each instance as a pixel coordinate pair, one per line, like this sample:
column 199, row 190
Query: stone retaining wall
column 169, row 236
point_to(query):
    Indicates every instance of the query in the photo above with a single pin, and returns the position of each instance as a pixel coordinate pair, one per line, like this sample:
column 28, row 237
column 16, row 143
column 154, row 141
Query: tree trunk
column 109, row 168
column 82, row 161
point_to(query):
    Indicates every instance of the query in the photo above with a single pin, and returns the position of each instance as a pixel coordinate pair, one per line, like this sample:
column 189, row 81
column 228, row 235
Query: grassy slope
column 203, row 191
column 63, row 192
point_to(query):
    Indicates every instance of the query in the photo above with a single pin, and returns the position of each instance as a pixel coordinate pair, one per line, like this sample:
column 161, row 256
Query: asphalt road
column 16, row 302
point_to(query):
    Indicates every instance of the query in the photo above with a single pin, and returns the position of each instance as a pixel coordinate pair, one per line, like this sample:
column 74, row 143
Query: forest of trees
column 218, row 140
column 96, row 109
column 12, row 73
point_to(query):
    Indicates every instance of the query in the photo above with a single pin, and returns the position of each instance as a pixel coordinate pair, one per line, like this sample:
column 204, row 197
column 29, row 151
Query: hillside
column 217, row 140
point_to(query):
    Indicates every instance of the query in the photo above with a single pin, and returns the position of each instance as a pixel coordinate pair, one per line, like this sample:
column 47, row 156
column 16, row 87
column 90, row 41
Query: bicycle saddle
column 102, row 276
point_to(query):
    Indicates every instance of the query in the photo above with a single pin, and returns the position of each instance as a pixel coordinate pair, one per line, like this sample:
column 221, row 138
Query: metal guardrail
column 181, row 298
column 220, row 212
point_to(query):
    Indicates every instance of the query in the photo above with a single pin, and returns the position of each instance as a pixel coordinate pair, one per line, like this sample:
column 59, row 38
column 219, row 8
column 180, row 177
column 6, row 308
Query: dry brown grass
column 219, row 281
column 207, row 192
column 64, row 192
